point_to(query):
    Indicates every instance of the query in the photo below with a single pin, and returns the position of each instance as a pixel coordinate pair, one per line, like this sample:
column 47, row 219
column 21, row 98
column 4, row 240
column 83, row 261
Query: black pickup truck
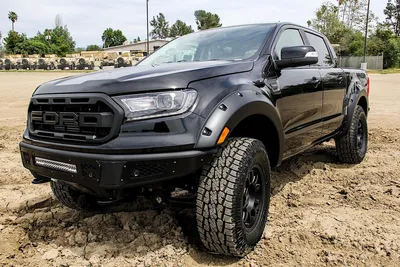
column 209, row 113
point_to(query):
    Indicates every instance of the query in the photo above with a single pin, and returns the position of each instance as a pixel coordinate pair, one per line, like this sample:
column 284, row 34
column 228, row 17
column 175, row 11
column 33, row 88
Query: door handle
column 340, row 79
column 315, row 81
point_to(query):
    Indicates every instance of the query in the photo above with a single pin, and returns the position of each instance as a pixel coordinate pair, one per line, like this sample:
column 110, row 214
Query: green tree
column 54, row 41
column 13, row 17
column 327, row 22
column 136, row 40
column 180, row 28
column 392, row 13
column 14, row 42
column 61, row 41
column 206, row 20
column 355, row 46
column 58, row 21
column 1, row 46
column 330, row 20
column 79, row 49
column 94, row 48
column 112, row 37
column 344, row 24
column 385, row 41
column 353, row 13
column 31, row 46
column 160, row 27
column 58, row 40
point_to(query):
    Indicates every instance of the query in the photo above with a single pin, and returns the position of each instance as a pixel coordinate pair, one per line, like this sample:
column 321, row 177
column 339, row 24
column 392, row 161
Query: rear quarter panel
column 357, row 91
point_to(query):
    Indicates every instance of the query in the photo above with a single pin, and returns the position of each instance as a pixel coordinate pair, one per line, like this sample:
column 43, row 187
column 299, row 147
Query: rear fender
column 356, row 91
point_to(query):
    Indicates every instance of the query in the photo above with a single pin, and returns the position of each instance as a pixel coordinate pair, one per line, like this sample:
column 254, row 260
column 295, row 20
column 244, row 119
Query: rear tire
column 233, row 197
column 72, row 198
column 352, row 146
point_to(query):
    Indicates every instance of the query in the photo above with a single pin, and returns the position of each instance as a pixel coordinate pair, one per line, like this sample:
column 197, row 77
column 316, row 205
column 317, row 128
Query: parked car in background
column 124, row 60
column 67, row 62
column 110, row 58
column 47, row 62
column 85, row 61
column 27, row 62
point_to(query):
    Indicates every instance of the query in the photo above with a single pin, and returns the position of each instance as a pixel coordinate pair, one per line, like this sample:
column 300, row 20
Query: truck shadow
column 133, row 230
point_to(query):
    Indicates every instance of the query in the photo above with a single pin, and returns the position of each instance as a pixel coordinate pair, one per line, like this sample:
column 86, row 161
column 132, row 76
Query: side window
column 289, row 37
column 324, row 58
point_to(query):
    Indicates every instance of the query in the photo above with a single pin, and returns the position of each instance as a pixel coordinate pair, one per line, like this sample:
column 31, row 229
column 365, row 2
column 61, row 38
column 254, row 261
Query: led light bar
column 55, row 165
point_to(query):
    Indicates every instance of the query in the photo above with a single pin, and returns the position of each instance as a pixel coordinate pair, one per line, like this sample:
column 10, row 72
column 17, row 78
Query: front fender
column 234, row 109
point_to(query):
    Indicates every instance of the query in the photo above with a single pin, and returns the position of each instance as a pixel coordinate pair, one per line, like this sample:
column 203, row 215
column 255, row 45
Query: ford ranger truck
column 208, row 114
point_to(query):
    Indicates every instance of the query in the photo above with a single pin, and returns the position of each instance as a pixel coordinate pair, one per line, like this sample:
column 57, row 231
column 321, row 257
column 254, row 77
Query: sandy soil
column 322, row 212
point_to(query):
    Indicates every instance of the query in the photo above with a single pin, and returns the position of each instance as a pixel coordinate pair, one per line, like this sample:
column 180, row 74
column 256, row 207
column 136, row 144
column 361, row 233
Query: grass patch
column 386, row 71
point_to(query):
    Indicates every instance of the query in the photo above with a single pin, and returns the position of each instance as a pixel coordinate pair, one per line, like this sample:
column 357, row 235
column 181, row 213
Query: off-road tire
column 220, row 197
column 347, row 145
column 72, row 198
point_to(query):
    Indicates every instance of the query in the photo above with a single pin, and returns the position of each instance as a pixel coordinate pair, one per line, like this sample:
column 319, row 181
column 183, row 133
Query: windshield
column 233, row 43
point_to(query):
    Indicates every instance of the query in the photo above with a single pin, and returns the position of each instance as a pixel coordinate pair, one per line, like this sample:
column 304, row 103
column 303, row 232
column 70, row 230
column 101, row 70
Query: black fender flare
column 356, row 93
column 234, row 109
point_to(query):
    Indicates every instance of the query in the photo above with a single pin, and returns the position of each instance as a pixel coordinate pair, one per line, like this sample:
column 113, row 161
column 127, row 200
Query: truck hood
column 143, row 78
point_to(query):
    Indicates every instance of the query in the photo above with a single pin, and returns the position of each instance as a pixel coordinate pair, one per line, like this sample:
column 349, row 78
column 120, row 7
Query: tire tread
column 216, row 205
column 346, row 144
column 72, row 198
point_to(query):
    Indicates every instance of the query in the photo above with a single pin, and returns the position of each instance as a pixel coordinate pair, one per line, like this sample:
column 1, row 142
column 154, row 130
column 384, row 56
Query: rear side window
column 289, row 37
column 324, row 58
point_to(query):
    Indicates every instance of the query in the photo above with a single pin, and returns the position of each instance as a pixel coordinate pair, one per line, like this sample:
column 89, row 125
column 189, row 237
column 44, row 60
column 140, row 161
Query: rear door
column 333, row 82
column 301, row 96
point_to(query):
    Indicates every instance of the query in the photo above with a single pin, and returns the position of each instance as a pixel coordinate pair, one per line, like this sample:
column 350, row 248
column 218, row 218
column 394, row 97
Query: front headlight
column 153, row 105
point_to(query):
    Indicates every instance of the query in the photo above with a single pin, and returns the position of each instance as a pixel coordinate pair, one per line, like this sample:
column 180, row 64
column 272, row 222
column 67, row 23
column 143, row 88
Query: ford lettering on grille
column 89, row 119
column 71, row 121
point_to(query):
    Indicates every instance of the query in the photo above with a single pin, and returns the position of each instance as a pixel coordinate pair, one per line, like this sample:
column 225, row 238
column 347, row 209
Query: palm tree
column 13, row 17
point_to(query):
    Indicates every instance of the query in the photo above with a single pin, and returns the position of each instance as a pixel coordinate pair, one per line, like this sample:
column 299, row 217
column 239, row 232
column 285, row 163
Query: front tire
column 233, row 197
column 72, row 198
column 352, row 146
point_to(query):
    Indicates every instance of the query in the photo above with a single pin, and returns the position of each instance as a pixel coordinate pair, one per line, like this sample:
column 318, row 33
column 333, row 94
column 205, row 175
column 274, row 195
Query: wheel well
column 363, row 103
column 260, row 127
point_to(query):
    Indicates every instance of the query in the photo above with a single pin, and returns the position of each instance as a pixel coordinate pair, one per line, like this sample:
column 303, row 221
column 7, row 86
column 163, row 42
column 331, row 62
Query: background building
column 141, row 46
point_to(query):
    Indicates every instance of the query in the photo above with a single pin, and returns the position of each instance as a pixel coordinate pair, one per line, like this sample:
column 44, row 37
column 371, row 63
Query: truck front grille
column 89, row 119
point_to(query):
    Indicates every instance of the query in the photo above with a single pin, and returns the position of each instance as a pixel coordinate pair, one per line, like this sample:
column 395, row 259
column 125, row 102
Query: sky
column 87, row 19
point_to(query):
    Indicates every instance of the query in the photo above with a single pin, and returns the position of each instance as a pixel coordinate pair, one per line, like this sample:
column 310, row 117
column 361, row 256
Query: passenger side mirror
column 296, row 56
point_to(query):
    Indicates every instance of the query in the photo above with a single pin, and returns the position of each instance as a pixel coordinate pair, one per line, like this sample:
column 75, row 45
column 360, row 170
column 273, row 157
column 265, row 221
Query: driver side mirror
column 296, row 56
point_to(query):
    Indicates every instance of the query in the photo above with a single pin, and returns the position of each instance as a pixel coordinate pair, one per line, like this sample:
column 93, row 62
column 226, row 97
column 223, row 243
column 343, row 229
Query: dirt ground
column 322, row 212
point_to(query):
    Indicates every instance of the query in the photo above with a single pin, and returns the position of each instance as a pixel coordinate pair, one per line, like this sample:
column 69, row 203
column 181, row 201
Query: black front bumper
column 104, row 173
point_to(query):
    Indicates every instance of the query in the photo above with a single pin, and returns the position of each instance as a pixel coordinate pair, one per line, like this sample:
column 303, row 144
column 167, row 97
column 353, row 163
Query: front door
column 301, row 98
column 301, row 108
